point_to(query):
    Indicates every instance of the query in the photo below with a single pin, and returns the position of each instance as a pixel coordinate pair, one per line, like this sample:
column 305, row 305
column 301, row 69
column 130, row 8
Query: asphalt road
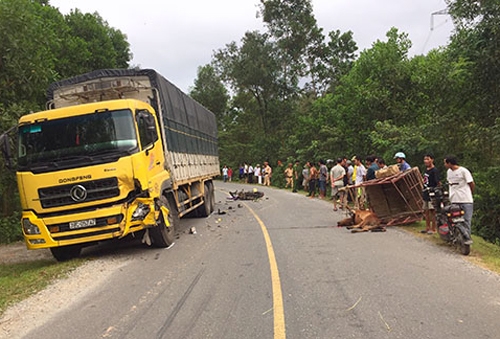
column 221, row 282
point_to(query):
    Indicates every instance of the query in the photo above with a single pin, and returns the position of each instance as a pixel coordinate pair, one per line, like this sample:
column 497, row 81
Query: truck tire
column 162, row 235
column 212, row 196
column 65, row 253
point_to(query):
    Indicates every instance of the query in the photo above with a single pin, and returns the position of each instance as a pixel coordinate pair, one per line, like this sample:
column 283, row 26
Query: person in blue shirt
column 372, row 167
column 401, row 160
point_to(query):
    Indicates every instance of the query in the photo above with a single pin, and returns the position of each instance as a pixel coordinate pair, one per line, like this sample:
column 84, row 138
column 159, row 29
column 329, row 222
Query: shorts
column 336, row 191
column 322, row 185
column 427, row 205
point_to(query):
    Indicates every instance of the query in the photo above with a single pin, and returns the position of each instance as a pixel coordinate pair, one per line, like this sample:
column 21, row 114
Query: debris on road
column 192, row 230
column 355, row 304
column 242, row 195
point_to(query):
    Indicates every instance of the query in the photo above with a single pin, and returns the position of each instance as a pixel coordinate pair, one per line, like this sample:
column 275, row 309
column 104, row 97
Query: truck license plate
column 81, row 224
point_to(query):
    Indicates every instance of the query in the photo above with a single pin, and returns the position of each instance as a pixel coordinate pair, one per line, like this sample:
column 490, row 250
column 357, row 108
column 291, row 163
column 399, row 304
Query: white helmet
column 399, row 155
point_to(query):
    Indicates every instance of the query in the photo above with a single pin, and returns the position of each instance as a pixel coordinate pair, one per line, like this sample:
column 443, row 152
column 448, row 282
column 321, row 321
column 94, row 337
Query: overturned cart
column 396, row 199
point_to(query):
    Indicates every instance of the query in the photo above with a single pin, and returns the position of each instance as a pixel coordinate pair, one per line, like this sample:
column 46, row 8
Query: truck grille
column 87, row 191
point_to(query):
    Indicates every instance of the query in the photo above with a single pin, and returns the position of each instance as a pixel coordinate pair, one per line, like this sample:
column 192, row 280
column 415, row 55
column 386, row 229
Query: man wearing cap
column 401, row 160
column 288, row 172
column 268, row 173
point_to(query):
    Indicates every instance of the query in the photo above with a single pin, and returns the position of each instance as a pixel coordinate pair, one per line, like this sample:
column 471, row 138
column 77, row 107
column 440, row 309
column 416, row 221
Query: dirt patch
column 17, row 253
column 25, row 316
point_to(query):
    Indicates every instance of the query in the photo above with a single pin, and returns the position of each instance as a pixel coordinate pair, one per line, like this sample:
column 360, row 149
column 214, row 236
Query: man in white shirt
column 250, row 174
column 257, row 174
column 461, row 186
column 224, row 173
column 245, row 171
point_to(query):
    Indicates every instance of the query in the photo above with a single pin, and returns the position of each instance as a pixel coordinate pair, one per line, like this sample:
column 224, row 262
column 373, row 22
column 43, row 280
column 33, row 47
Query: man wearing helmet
column 401, row 160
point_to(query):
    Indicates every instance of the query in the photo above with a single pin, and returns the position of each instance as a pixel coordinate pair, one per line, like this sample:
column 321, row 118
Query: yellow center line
column 279, row 314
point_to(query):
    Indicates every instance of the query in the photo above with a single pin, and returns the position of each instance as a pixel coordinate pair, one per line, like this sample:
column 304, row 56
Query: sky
column 175, row 37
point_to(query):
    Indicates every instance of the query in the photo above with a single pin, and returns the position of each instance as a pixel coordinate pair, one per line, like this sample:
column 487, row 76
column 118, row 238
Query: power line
column 441, row 12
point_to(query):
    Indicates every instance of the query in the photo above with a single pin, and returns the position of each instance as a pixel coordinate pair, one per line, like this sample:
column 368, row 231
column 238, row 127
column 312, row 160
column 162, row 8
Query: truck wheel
column 212, row 196
column 163, row 235
column 66, row 253
column 204, row 210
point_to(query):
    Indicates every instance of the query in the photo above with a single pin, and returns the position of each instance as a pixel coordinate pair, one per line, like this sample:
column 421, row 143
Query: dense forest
column 294, row 91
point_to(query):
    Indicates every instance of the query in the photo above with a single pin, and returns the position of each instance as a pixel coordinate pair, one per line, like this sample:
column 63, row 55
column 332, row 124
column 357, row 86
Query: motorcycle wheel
column 464, row 249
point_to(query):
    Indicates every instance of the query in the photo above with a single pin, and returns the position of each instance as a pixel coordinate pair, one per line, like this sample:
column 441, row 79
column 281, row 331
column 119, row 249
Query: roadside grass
column 483, row 253
column 20, row 280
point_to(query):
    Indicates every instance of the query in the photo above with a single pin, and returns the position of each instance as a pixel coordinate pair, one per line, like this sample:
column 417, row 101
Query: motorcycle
column 450, row 220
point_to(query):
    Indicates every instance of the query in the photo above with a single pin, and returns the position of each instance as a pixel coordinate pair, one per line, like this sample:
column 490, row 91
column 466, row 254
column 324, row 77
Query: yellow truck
column 116, row 152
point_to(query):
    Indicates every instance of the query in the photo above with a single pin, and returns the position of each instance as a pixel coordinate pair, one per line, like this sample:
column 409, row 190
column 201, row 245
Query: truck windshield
column 86, row 137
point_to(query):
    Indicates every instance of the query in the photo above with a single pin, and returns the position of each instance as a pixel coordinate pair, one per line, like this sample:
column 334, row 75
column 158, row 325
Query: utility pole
column 441, row 12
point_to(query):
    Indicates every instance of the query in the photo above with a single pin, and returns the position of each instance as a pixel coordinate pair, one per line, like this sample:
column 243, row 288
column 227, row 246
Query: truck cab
column 84, row 171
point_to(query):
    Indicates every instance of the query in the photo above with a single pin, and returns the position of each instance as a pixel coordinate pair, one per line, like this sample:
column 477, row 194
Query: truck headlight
column 30, row 228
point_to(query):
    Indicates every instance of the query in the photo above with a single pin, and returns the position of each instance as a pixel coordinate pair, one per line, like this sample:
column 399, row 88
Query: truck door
column 151, row 149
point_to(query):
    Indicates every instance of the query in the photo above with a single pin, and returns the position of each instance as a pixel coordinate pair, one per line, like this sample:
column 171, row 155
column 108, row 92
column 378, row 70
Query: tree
column 105, row 46
column 339, row 59
column 477, row 41
column 209, row 91
column 476, row 45
column 253, row 69
column 39, row 45
column 300, row 41
column 26, row 59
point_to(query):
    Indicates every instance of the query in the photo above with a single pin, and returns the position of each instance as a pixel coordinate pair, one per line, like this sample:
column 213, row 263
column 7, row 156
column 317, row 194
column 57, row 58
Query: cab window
column 147, row 128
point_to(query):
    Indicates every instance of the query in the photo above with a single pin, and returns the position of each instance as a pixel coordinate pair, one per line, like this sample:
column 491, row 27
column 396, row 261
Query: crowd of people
column 249, row 174
column 334, row 176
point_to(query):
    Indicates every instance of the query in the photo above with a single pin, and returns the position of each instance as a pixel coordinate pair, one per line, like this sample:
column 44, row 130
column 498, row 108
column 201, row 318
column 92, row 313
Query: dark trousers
column 312, row 186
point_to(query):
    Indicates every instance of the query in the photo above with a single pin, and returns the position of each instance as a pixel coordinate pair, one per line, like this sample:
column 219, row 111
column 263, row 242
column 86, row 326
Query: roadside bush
column 486, row 220
column 10, row 228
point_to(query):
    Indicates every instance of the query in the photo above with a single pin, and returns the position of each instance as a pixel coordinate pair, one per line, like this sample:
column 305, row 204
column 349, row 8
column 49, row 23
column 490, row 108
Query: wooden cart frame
column 396, row 200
